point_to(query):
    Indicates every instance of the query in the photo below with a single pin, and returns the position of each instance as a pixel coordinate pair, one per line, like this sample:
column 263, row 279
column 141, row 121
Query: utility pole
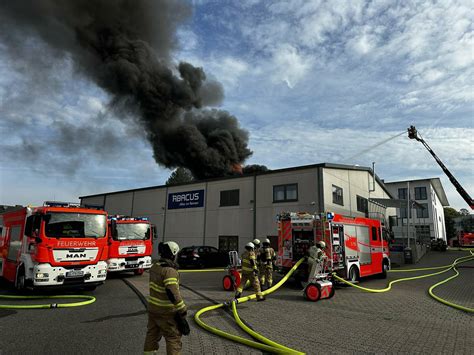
column 408, row 214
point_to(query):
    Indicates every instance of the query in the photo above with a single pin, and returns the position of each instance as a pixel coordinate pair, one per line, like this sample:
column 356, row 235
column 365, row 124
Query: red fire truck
column 355, row 246
column 463, row 240
column 130, row 244
column 57, row 244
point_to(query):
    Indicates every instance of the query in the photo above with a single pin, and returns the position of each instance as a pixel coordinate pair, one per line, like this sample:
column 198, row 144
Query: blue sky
column 312, row 81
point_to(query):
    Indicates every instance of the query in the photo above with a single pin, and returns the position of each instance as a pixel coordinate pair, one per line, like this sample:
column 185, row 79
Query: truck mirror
column 38, row 240
column 155, row 235
column 113, row 228
column 29, row 226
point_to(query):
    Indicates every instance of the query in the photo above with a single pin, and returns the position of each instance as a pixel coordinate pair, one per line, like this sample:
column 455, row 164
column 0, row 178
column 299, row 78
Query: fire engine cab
column 355, row 246
column 130, row 244
column 57, row 244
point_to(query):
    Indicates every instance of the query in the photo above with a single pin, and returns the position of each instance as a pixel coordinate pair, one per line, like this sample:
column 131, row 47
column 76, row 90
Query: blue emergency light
column 330, row 215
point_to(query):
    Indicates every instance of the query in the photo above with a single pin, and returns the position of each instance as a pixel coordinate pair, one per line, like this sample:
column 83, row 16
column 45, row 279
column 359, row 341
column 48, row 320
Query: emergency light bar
column 60, row 204
column 330, row 215
column 127, row 218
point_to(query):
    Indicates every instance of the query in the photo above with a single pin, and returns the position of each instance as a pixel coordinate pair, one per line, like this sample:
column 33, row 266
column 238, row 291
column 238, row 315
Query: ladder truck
column 413, row 134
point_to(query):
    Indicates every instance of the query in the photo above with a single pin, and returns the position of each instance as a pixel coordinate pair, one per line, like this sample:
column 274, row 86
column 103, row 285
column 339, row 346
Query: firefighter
column 258, row 251
column 166, row 308
column 316, row 258
column 267, row 260
column 249, row 272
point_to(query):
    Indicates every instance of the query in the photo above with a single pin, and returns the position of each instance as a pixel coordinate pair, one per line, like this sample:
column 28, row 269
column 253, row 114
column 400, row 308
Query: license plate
column 75, row 273
column 130, row 266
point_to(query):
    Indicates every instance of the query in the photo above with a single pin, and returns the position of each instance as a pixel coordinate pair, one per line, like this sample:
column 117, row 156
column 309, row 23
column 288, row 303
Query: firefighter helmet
column 169, row 249
column 322, row 244
column 250, row 245
column 256, row 242
column 266, row 241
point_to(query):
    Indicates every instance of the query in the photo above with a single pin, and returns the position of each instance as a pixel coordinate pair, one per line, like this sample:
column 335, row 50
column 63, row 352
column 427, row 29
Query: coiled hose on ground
column 268, row 345
column 88, row 300
column 430, row 291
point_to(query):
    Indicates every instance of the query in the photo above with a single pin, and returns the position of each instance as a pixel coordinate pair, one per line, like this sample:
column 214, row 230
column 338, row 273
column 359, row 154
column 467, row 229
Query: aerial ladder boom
column 413, row 134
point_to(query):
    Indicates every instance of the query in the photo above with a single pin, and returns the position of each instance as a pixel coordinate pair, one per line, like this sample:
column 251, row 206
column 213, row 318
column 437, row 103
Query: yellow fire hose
column 202, row 270
column 269, row 346
column 447, row 268
column 89, row 300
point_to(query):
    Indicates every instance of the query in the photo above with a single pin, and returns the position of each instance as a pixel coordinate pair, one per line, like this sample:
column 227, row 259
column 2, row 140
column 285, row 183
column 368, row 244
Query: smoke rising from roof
column 125, row 46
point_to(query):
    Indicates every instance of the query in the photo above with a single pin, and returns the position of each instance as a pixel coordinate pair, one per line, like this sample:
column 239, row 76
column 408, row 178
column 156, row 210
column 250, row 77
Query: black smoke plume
column 125, row 47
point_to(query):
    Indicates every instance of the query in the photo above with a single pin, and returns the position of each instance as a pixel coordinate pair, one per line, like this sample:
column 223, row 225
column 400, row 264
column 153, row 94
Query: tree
column 180, row 176
column 254, row 168
column 449, row 215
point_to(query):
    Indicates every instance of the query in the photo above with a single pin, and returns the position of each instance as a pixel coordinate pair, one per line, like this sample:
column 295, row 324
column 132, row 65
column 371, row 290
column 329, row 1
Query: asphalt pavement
column 404, row 320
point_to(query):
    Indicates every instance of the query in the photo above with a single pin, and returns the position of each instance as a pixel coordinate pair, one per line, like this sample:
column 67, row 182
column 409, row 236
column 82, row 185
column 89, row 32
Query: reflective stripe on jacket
column 269, row 256
column 164, row 289
column 249, row 263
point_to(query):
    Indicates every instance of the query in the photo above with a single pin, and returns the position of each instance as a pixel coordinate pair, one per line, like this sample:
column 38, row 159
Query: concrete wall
column 230, row 220
column 267, row 210
column 353, row 183
column 255, row 216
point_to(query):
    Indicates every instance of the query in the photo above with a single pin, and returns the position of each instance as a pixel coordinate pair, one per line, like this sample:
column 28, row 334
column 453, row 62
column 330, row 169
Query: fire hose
column 88, row 300
column 268, row 345
column 430, row 291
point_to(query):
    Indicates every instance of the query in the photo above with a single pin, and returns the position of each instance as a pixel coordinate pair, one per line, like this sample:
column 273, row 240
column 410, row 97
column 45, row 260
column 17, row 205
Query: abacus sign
column 188, row 199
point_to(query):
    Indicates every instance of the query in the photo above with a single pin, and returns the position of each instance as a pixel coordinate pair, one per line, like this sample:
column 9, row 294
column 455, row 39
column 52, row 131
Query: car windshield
column 133, row 231
column 75, row 225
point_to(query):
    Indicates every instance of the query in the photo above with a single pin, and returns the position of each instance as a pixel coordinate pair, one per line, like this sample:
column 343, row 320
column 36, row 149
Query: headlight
column 40, row 275
column 102, row 272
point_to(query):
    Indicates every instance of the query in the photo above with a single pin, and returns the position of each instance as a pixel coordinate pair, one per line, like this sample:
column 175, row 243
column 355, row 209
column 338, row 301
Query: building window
column 402, row 193
column 420, row 193
column 423, row 232
column 230, row 198
column 337, row 195
column 285, row 193
column 362, row 205
column 403, row 212
column 228, row 243
column 422, row 212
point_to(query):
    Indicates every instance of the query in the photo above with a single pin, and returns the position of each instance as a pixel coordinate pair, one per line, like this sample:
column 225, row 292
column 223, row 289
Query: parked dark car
column 202, row 256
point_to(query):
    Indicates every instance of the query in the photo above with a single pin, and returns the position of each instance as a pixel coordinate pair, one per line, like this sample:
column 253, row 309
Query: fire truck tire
column 312, row 292
column 20, row 284
column 353, row 273
column 384, row 273
column 228, row 283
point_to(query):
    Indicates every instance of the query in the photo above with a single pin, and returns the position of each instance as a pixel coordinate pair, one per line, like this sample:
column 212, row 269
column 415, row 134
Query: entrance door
column 13, row 245
column 228, row 243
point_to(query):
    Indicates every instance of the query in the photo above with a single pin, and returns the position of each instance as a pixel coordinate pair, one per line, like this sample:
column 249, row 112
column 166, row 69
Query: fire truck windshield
column 75, row 225
column 133, row 231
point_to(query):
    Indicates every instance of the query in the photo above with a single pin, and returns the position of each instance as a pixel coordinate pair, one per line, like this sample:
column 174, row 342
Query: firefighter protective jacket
column 268, row 256
column 249, row 262
column 165, row 297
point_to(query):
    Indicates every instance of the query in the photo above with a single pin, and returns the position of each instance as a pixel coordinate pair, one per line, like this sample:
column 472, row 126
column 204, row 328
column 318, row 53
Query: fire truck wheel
column 312, row 292
column 384, row 273
column 227, row 283
column 21, row 280
column 139, row 271
column 353, row 274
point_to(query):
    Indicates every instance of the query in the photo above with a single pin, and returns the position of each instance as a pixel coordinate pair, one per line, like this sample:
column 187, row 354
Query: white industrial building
column 425, row 218
column 229, row 212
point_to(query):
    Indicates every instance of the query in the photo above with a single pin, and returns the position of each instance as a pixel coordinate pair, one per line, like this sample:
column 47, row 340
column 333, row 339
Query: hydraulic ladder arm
column 413, row 134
